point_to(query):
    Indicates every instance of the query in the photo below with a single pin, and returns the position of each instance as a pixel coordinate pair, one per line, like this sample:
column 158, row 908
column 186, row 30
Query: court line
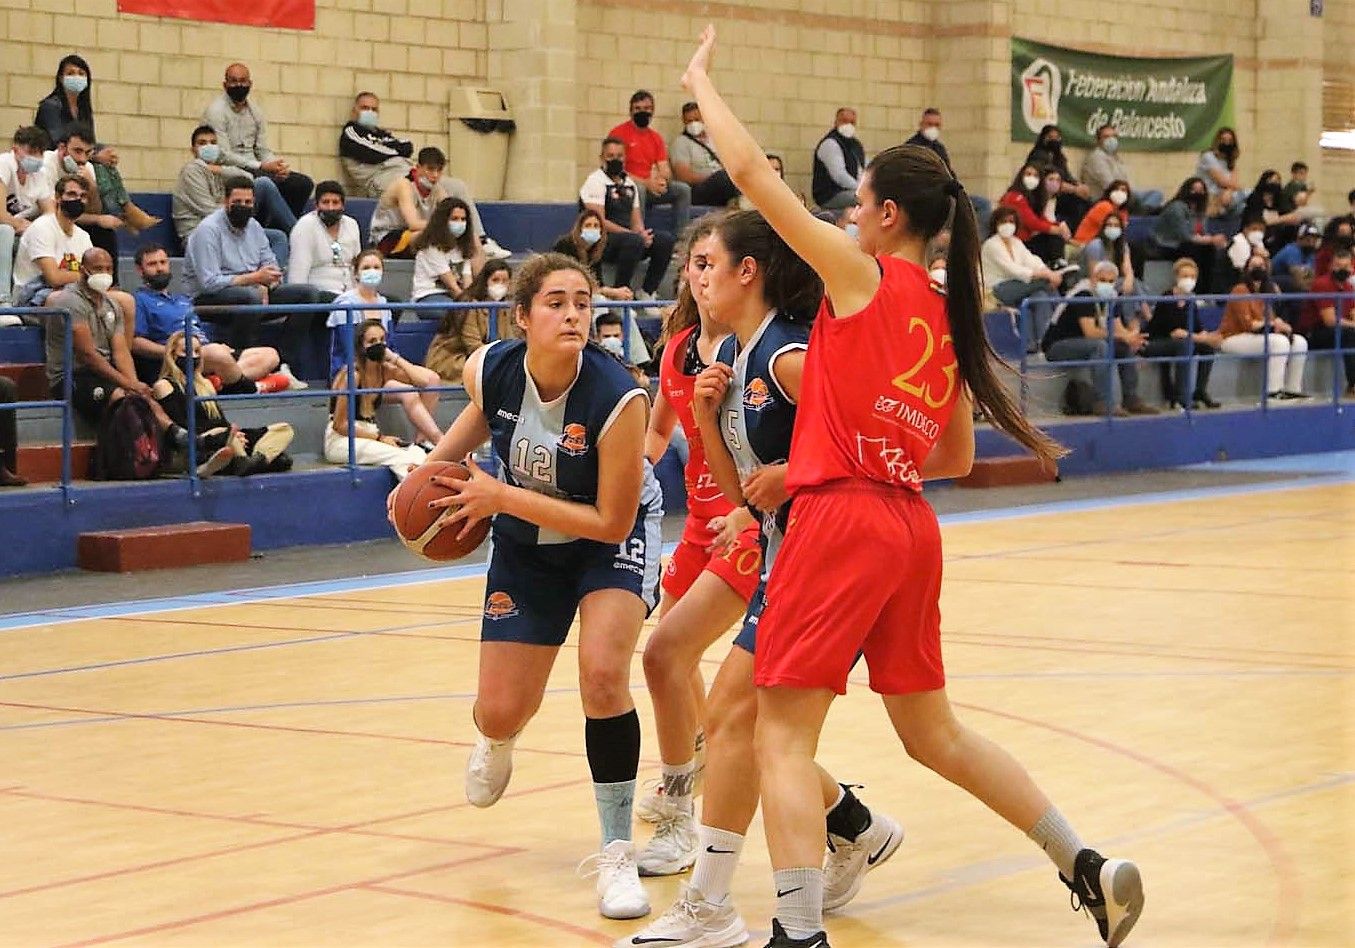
column 1164, row 590
column 1059, row 639
column 989, row 641
column 588, row 933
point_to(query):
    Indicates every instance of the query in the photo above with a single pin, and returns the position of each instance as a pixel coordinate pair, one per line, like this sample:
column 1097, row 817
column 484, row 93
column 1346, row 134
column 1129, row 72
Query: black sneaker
column 781, row 940
column 1109, row 889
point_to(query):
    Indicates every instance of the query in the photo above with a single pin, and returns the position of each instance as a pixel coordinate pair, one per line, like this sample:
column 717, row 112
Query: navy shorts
column 532, row 592
column 747, row 637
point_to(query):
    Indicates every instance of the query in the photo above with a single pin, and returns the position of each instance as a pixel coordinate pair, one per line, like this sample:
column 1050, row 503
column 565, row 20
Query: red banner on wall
column 288, row 14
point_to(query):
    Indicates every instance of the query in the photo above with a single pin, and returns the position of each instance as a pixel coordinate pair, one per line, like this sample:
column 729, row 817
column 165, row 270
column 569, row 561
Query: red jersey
column 644, row 149
column 704, row 497
column 879, row 386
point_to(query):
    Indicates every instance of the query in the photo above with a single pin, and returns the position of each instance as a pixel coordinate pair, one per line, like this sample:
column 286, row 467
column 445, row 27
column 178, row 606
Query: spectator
column 70, row 102
column 52, row 246
column 1252, row 328
column 375, row 367
column 1339, row 234
column 71, row 156
column 1073, row 197
column 1114, row 202
column 1174, row 331
column 25, row 195
column 9, row 437
column 406, row 205
column 1249, row 240
column 1268, row 202
column 779, row 165
column 200, row 189
column 325, row 243
column 1328, row 322
column 615, row 197
column 228, row 262
column 696, row 164
column 252, row 450
column 928, row 135
column 1109, row 244
column 1081, row 330
column 937, row 251
column 244, row 139
column 1217, row 169
column 646, row 160
column 1179, row 231
column 1033, row 195
column 446, row 255
column 586, row 242
column 160, row 313
column 1103, row 166
column 369, row 269
column 609, row 329
column 1350, row 199
column 1298, row 191
column 462, row 331
column 1015, row 274
column 839, row 162
column 1294, row 265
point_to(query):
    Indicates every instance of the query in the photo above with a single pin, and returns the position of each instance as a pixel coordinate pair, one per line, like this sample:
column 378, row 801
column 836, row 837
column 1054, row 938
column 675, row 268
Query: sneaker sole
column 1123, row 887
column 624, row 913
column 665, row 868
column 834, row 904
column 215, row 463
column 731, row 936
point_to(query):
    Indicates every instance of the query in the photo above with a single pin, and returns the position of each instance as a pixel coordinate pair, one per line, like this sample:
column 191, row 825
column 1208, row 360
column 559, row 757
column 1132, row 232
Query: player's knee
column 660, row 657
column 605, row 690
column 932, row 747
column 502, row 716
column 731, row 721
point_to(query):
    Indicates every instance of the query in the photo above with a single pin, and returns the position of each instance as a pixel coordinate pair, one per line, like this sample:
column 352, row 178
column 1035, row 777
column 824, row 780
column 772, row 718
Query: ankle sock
column 799, row 901
column 677, row 785
column 716, row 861
column 1058, row 839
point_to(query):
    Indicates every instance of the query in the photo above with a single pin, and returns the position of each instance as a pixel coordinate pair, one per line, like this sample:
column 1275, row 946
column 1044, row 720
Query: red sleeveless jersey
column 879, row 386
column 704, row 498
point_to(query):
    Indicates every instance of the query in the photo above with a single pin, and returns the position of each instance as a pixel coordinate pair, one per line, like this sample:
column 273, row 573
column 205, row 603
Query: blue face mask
column 209, row 153
column 458, row 228
column 370, row 277
column 1111, row 145
column 590, row 235
column 1106, row 291
column 30, row 165
column 853, row 231
column 367, row 118
column 75, row 84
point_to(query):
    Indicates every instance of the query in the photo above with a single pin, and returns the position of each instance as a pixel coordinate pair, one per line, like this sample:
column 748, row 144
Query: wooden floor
column 1177, row 676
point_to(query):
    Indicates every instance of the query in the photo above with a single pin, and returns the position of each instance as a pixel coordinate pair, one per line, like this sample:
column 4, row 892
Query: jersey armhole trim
column 771, row 366
column 621, row 403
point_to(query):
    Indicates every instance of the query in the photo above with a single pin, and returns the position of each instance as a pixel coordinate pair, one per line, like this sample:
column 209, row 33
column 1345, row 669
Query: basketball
column 417, row 524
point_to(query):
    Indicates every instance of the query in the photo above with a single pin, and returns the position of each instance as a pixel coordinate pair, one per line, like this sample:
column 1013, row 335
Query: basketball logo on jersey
column 500, row 605
column 574, row 440
column 756, row 395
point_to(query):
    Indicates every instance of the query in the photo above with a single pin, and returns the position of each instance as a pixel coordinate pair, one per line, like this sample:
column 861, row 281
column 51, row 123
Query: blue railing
column 1127, row 307
column 67, row 382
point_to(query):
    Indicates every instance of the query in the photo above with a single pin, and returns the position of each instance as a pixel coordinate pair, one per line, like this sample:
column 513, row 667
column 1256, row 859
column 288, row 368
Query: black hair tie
column 952, row 188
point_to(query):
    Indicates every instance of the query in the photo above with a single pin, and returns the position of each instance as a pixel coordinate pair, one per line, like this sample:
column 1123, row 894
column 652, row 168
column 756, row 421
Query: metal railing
column 67, row 383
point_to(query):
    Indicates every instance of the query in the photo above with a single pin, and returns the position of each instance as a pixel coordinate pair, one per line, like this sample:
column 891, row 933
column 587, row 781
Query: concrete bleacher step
column 171, row 545
column 29, row 377
column 41, row 463
column 1009, row 472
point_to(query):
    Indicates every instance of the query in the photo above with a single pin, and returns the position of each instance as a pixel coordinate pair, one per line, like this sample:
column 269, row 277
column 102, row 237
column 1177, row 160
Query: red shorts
column 859, row 572
column 740, row 566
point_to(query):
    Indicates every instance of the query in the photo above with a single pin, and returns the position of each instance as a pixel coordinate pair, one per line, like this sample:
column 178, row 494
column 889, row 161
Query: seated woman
column 252, row 450
column 369, row 268
column 1073, row 198
column 447, row 255
column 378, row 367
column 1179, row 231
column 1251, row 328
column 462, row 331
column 1173, row 323
column 586, row 242
column 1015, row 274
column 1114, row 203
column 1108, row 243
column 1033, row 196
column 1269, row 204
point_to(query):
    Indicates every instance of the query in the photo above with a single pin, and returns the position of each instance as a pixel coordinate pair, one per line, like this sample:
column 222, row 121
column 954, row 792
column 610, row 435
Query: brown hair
column 684, row 312
column 533, row 273
column 788, row 283
column 589, row 254
column 364, row 254
column 915, row 179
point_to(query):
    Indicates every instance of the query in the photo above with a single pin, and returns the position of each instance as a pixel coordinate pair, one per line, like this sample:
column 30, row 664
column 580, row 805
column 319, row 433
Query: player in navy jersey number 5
column 576, row 531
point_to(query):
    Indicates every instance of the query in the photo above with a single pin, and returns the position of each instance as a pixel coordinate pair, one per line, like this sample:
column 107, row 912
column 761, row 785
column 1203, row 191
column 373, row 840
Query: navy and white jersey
column 757, row 416
column 551, row 447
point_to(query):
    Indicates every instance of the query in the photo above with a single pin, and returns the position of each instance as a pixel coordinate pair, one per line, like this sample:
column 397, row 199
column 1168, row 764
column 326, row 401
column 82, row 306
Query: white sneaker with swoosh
column 847, row 862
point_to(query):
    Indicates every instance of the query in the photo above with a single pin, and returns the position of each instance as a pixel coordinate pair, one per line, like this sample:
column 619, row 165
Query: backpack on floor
column 1079, row 398
column 128, row 447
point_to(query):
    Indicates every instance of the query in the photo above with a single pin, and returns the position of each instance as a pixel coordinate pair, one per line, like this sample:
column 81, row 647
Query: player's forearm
column 569, row 517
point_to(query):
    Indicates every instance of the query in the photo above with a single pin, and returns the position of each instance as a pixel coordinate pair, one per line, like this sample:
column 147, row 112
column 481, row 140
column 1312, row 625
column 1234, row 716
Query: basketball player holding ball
column 892, row 369
column 576, row 531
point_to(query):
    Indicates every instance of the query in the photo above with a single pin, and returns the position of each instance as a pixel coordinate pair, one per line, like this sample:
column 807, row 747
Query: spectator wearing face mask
column 364, row 296
column 1217, row 168
column 586, row 242
column 324, row 244
column 928, row 136
column 407, row 204
column 1295, row 264
column 1114, row 202
column 71, row 156
column 1082, row 329
column 1108, row 244
column 52, row 246
column 1015, row 274
column 839, row 162
column 1327, row 322
column 1073, row 197
column 446, row 255
column 1179, row 231
column 614, row 196
column 1269, row 202
column 1298, row 190
column 647, row 160
column 696, row 164
column 1033, row 195
column 1249, row 240
column 25, row 195
column 1251, row 327
column 201, row 187
column 1174, row 331
column 1339, row 234
column 462, row 331
column 1104, row 165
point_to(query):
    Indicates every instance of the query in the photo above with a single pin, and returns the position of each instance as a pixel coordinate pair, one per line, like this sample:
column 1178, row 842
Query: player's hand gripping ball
column 433, row 532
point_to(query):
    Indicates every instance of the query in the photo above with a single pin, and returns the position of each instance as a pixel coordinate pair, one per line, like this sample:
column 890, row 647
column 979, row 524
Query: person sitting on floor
column 462, row 331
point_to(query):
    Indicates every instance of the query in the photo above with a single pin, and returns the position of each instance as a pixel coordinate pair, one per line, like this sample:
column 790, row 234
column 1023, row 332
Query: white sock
column 1058, row 839
column 716, row 861
column 678, row 780
column 799, row 901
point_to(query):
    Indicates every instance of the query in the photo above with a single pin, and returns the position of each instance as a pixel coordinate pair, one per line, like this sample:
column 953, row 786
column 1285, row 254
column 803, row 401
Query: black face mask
column 1198, row 200
column 156, row 281
column 239, row 215
column 642, row 119
column 238, row 93
column 615, row 168
column 330, row 218
column 1228, row 150
column 376, row 352
column 1257, row 275
column 73, row 207
column 1345, row 243
column 1340, row 276
column 1054, row 144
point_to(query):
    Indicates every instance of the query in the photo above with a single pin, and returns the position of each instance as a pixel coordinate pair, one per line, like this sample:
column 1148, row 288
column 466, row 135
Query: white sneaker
column 488, row 770
column 493, row 251
column 7, row 319
column 620, row 894
column 846, row 864
column 691, row 922
column 292, row 381
column 673, row 848
column 654, row 804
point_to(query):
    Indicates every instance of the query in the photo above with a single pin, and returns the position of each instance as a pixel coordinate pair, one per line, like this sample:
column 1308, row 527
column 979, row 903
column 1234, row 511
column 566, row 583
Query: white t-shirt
column 431, row 263
column 21, row 199
column 45, row 238
column 314, row 259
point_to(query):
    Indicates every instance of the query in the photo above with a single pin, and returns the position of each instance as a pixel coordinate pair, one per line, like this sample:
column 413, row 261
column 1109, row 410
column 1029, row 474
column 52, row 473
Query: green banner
column 1156, row 104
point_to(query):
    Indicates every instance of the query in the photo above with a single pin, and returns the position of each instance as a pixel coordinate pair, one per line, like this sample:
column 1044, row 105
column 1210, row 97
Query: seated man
column 53, row 245
column 72, row 156
column 244, row 140
column 615, row 197
column 1327, row 322
column 695, row 162
column 1104, row 165
column 647, row 161
column 228, row 263
column 200, row 190
column 1294, row 264
column 406, row 205
column 1080, row 330
column 839, row 162
column 160, row 314
column 325, row 243
column 25, row 195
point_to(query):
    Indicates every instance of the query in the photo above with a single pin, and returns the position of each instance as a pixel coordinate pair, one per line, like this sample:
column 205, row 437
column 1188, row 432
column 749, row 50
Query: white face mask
column 613, row 345
column 458, row 228
column 1112, row 234
column 1118, row 198
column 1006, row 229
column 1106, row 291
column 1031, row 182
column 695, row 129
column 1256, row 237
column 1186, row 284
column 497, row 291
column 931, row 133
column 847, row 131
column 100, row 282
column 852, row 231
column 939, row 276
